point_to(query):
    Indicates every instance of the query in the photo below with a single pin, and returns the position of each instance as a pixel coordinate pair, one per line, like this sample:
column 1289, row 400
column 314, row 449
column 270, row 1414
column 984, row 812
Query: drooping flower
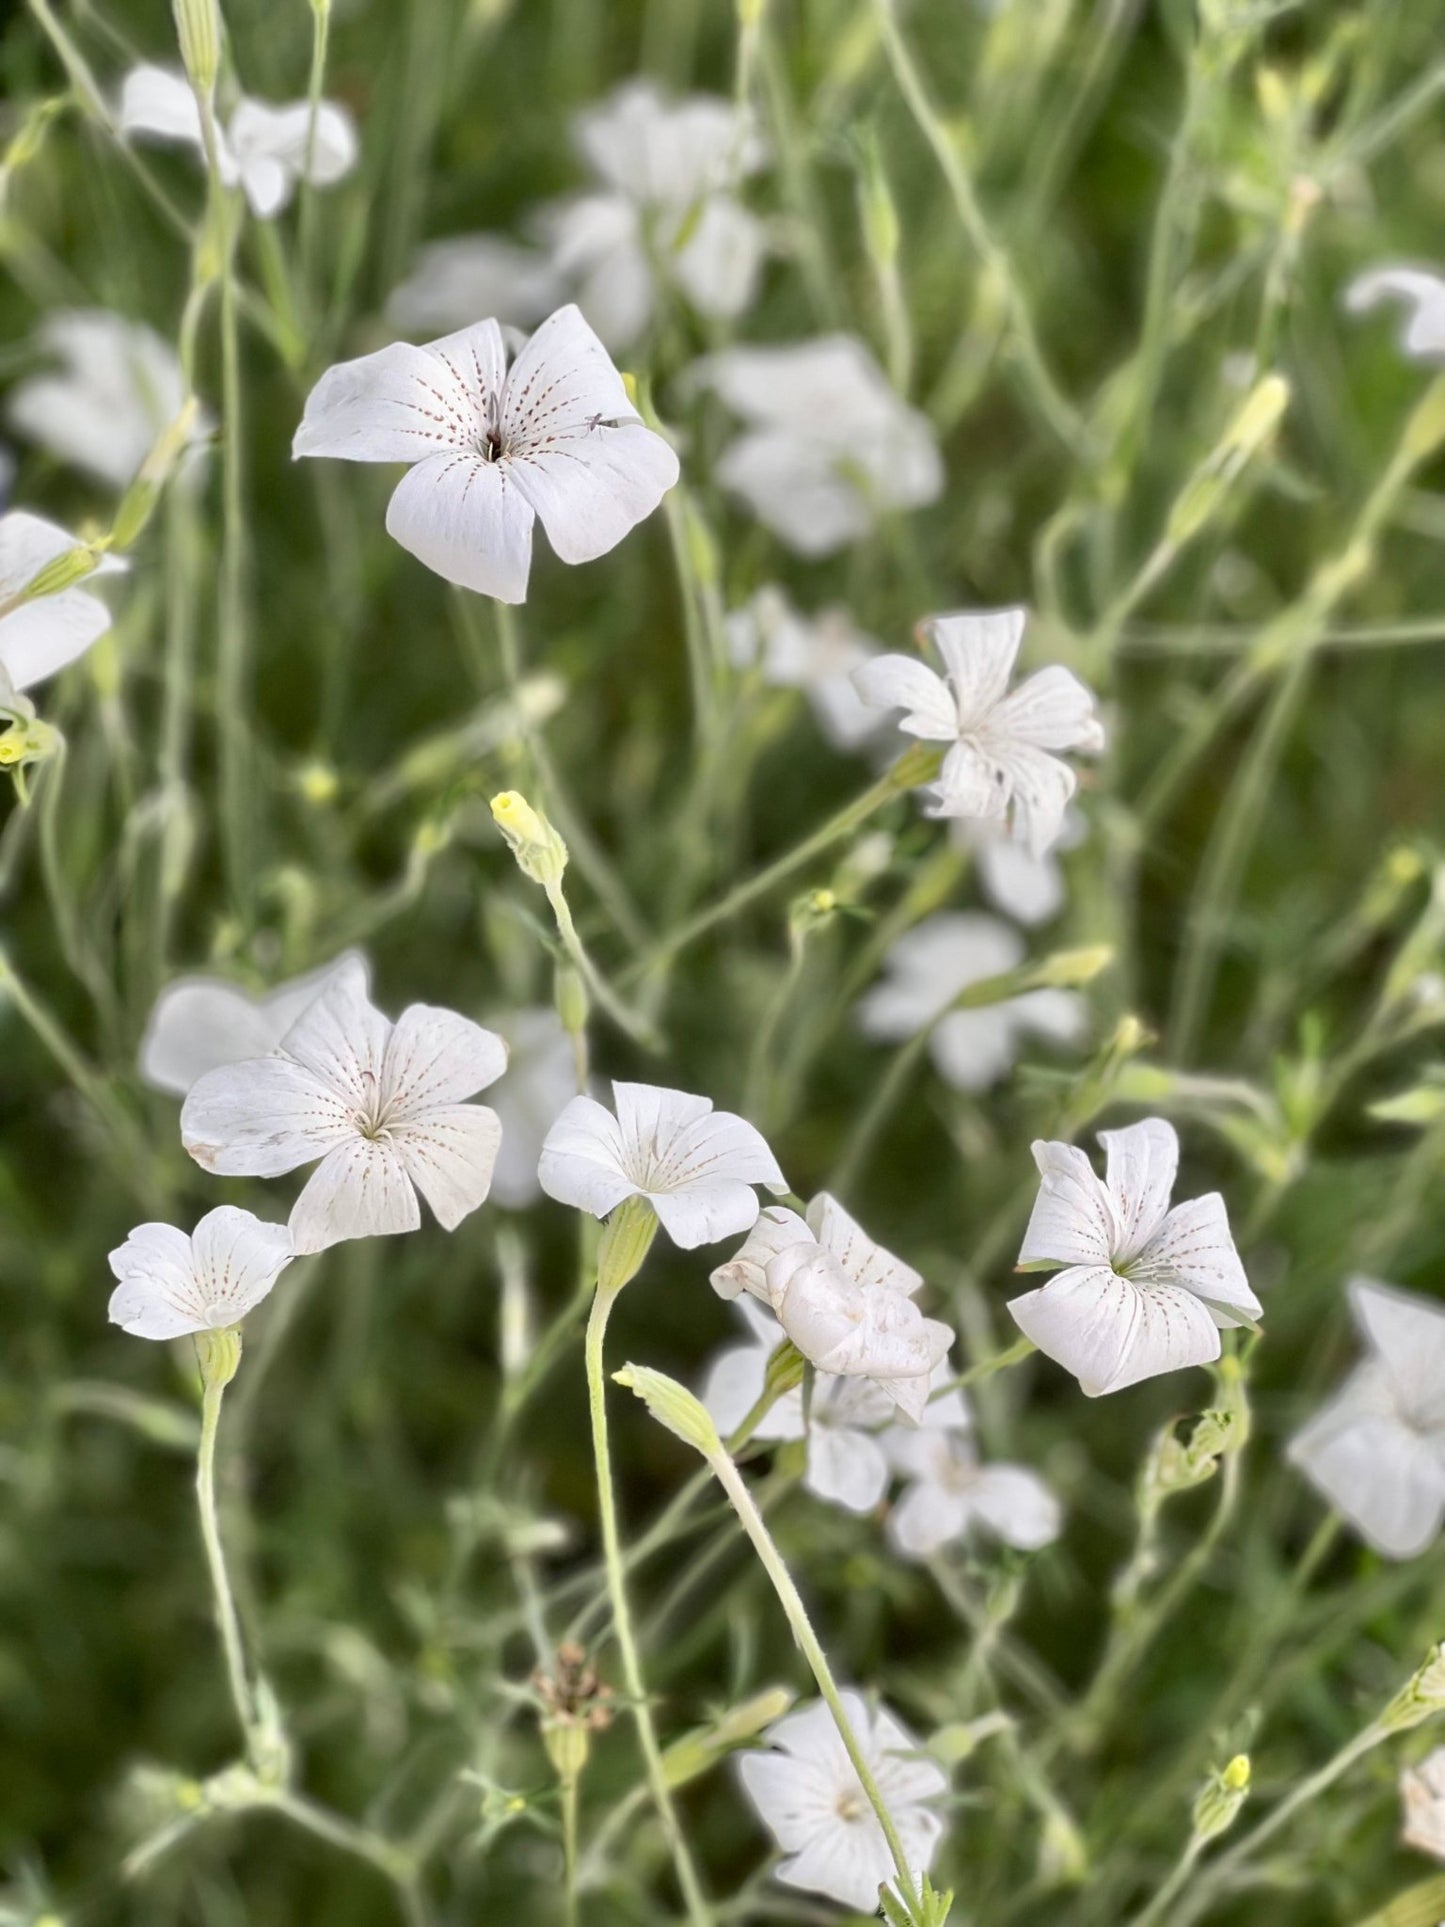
column 1377, row 1449
column 118, row 388
column 382, row 1105
column 829, row 447
column 198, row 1023
column 845, row 1302
column 808, row 1794
column 930, row 965
column 950, row 1492
column 492, row 448
column 1146, row 1289
column 42, row 634
column 816, row 654
column 1002, row 762
column 267, row 149
column 541, row 1076
column 695, row 1166
column 1420, row 291
column 1422, row 1793
column 1028, row 888
column 454, row 280
column 171, row 1284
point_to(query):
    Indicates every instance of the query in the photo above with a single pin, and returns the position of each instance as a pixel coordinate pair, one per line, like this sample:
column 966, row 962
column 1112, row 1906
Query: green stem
column 228, row 1623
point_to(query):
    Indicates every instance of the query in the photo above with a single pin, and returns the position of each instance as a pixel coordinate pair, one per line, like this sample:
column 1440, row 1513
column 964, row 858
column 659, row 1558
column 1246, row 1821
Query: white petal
column 121, row 385
column 1016, row 1506
column 1194, row 1247
column 238, row 1258
column 857, row 1255
column 159, row 101
column 1050, row 710
column 717, row 267
column 1111, row 1333
column 992, row 776
column 455, row 279
column 540, row 1078
column 902, row 682
column 1073, row 1220
column 707, row 1211
column 262, row 1118
column 359, row 1190
column 776, row 1230
column 804, row 491
column 1424, row 294
column 973, row 1049
column 40, row 637
column 436, row 1057
column 830, row 386
column 199, row 1023
column 1384, row 1477
column 929, row 965
column 979, row 649
column 846, row 1467
column 29, row 543
column 1027, row 888
column 927, row 1518
column 1143, row 1162
column 399, row 405
column 341, row 1039
column 582, row 1159
column 1408, row 1334
column 157, row 1296
column 596, row 245
column 449, row 1152
column 283, row 134
column 468, row 521
column 711, row 1147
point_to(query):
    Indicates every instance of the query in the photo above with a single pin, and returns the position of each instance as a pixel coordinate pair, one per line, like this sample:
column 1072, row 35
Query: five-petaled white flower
column 455, row 279
column 695, row 1166
column 808, row 1794
column 816, row 654
column 198, row 1023
column 1377, row 1450
column 930, row 965
column 1422, row 293
column 1001, row 762
column 42, row 634
column 171, row 1284
column 1146, row 1289
column 382, row 1105
column 829, row 447
column 119, row 386
column 1030, row 889
column 1422, row 1793
column 492, row 448
column 266, row 149
column 541, row 1076
column 846, row 1303
column 950, row 1492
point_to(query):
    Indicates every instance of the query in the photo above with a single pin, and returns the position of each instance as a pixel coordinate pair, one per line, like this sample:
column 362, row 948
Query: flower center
column 491, row 446
column 850, row 1805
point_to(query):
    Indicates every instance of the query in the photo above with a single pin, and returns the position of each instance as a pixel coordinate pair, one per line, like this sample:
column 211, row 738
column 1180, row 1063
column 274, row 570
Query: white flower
column 266, row 149
column 816, row 654
column 1422, row 1792
column 43, row 634
column 1423, row 294
column 541, row 1076
column 381, row 1104
column 808, row 1795
column 171, row 1284
column 950, row 1492
column 454, row 280
column 1001, row 762
column 1377, row 1450
column 1147, row 1288
column 930, row 965
column 846, row 1303
column 201, row 1022
column 695, row 1166
column 491, row 448
column 829, row 447
column 120, row 385
column 1028, row 888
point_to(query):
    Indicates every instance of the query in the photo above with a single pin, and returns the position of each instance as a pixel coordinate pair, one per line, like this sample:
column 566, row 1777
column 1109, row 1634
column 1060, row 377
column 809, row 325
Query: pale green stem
column 638, row 1027
column 228, row 1622
column 569, row 1849
column 986, row 1368
column 1158, row 1908
column 320, row 34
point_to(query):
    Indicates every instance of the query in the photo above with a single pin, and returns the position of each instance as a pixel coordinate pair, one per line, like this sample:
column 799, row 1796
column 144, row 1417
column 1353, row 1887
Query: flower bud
column 626, row 1240
column 1220, row 1799
column 569, row 994
column 66, row 570
column 674, row 1406
column 198, row 29
column 1420, row 1699
column 540, row 852
column 218, row 1353
column 697, row 1752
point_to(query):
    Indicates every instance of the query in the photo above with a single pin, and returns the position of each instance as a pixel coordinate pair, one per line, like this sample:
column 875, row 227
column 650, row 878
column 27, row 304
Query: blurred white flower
column 695, row 1166
column 119, row 386
column 1001, row 763
column 381, row 1104
column 816, row 654
column 1422, row 1792
column 846, row 1302
column 171, row 1284
column 1146, row 1289
column 201, row 1022
column 541, row 1076
column 491, row 448
column 950, row 1492
column 930, row 965
column 829, row 447
column 1028, row 888
column 454, row 280
column 266, row 149
column 807, row 1793
column 1377, row 1449
column 1422, row 293
column 43, row 634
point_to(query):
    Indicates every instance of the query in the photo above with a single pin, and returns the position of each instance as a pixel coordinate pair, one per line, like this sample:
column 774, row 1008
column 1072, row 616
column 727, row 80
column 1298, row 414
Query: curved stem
column 228, row 1623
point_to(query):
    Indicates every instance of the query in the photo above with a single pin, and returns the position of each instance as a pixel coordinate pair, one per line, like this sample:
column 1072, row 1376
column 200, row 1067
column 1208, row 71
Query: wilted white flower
column 1028, row 888
column 950, row 1492
column 1377, row 1450
column 171, row 1284
column 1422, row 1792
column 1001, row 763
column 807, row 1793
column 454, row 280
column 1422, row 293
column 201, row 1022
column 931, row 964
column 541, row 1076
column 829, row 447
column 381, row 1104
column 492, row 448
column 118, row 387
column 266, row 149
column 43, row 634
column 846, row 1303
column 1146, row 1289
column 695, row 1166
column 816, row 654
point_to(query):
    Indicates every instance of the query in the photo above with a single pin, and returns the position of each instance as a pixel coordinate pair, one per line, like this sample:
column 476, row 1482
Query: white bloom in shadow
column 1422, row 295
column 1002, row 763
column 266, row 149
column 930, row 965
column 454, row 280
column 171, row 1284
column 382, row 1105
column 807, row 1793
column 1030, row 889
column 829, row 446
column 1422, row 1793
column 541, row 1077
column 1377, row 1449
column 200, row 1022
column 950, row 1493
column 44, row 633
column 695, row 1166
column 1147, row 1288
column 816, row 654
column 492, row 448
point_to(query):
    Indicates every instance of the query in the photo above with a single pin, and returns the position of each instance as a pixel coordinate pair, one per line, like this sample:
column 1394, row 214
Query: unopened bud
column 1252, row 427
column 198, row 29
column 1420, row 1699
column 674, row 1406
column 218, row 1353
column 540, row 852
column 569, row 993
column 1220, row 1799
column 626, row 1240
column 697, row 1752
